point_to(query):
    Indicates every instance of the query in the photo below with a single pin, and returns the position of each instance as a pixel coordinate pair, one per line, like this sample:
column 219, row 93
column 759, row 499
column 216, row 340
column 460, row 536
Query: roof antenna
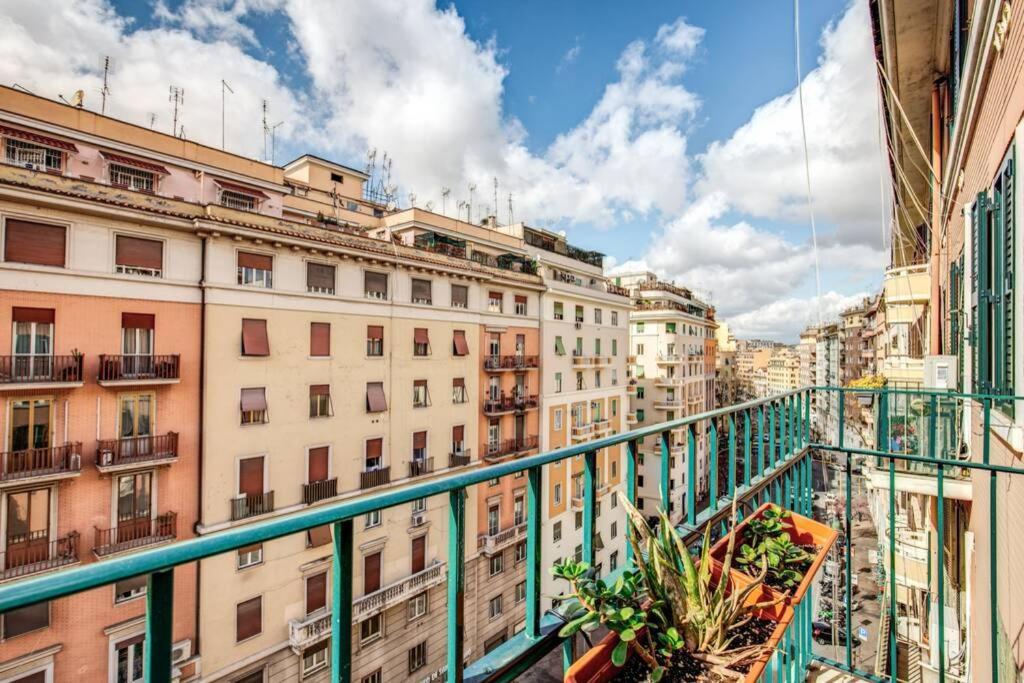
column 445, row 191
column 510, row 221
column 177, row 97
column 273, row 142
column 152, row 120
column 108, row 69
column 495, row 205
column 224, row 89
column 266, row 128
column 469, row 209
column 19, row 86
column 412, row 199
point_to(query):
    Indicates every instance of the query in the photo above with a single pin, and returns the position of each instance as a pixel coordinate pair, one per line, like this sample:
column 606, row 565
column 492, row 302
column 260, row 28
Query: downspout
column 935, row 337
column 201, row 439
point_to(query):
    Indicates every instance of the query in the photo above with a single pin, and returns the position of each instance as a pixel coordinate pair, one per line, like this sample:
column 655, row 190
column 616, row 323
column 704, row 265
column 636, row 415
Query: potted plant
column 672, row 616
column 790, row 546
column 866, row 398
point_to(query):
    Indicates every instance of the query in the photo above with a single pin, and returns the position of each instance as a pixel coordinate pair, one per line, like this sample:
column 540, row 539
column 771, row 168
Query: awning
column 135, row 163
column 254, row 337
column 138, row 321
column 43, row 140
column 33, row 315
column 420, row 336
column 559, row 347
column 320, row 535
column 254, row 399
column 231, row 187
column 461, row 346
column 375, row 401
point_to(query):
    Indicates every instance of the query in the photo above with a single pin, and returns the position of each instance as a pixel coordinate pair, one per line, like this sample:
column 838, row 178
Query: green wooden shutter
column 978, row 294
column 1007, row 228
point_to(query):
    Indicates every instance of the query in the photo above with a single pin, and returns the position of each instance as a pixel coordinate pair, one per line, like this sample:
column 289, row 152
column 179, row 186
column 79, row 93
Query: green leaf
column 626, row 612
column 657, row 674
column 627, row 635
column 619, row 653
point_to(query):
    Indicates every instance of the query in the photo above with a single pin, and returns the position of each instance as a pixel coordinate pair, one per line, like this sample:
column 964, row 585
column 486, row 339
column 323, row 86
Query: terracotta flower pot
column 802, row 531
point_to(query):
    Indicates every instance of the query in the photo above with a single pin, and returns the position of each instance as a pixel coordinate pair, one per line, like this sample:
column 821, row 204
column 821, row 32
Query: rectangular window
column 253, row 405
column 320, row 400
column 520, row 552
column 420, row 396
column 254, row 337
column 578, row 553
column 559, row 346
column 129, row 589
column 375, row 400
column 492, row 518
column 374, row 340
column 417, row 606
column 613, row 560
column 132, row 178
column 558, row 499
column 494, row 302
column 579, row 314
column 615, row 347
column 420, row 342
column 496, row 564
column 237, row 200
column 372, row 628
column 315, row 658
column 556, row 532
column 23, row 153
column 250, row 556
column 319, row 278
column 519, row 510
column 316, row 592
column 578, row 516
column 35, row 243
column 615, row 527
column 559, row 311
column 460, row 347
column 137, row 256
column 640, row 328
column 460, row 296
column 371, row 573
column 459, row 393
column 494, row 607
column 597, row 316
column 520, row 592
column 558, row 382
column 320, row 339
column 418, row 657
column 670, row 328
column 557, row 417
column 421, row 293
column 375, row 677
column 248, row 619
column 520, row 304
column 597, row 347
column 375, row 285
column 17, row 622
column 374, row 454
column 255, row 270
column 615, row 318
column 372, row 519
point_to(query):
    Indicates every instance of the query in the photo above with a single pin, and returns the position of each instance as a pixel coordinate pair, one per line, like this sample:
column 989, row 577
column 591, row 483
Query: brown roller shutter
column 421, row 290
column 318, row 463
column 374, row 332
column 254, row 399
column 419, row 554
column 248, row 619
column 377, row 283
column 32, row 315
column 250, row 476
column 319, row 339
column 37, row 677
column 460, row 296
column 320, row 390
column 121, row 644
column 459, row 383
column 38, row 243
column 371, row 573
column 319, row 535
column 254, row 337
column 374, row 448
column 461, row 346
column 319, row 276
column 419, row 439
column 495, row 295
column 520, row 299
column 420, row 336
column 136, row 252
column 458, row 433
column 316, row 592
column 138, row 321
column 257, row 261
column 375, row 400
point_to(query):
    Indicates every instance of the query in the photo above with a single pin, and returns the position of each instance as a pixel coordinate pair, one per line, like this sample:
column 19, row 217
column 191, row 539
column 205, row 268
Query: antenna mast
column 510, row 221
column 266, row 128
column 273, row 142
column 177, row 97
column 224, row 89
column 108, row 68
column 445, row 191
column 469, row 205
column 495, row 205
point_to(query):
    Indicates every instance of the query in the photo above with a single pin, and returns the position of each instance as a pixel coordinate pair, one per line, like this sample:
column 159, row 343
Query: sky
column 665, row 134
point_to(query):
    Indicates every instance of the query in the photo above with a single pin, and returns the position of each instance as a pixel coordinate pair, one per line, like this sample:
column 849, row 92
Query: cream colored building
column 783, row 370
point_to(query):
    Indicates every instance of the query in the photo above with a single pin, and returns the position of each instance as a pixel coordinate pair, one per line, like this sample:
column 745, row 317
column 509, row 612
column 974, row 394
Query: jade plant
column 668, row 603
column 768, row 544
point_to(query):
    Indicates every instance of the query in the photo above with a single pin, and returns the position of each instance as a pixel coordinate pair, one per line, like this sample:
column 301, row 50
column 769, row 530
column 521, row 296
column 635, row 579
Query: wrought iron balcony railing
column 139, row 369
column 18, row 467
column 316, row 491
column 251, row 506
column 40, row 370
column 130, row 534
column 460, row 458
column 114, row 454
column 34, row 552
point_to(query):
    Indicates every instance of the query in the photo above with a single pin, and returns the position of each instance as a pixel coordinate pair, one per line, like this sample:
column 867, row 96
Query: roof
column 328, row 163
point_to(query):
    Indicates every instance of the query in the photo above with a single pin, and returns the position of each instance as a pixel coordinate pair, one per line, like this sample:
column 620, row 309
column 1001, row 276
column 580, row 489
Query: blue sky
column 664, row 134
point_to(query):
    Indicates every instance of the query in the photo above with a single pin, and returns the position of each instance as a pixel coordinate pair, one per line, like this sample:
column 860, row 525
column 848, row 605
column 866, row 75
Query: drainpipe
column 201, row 440
column 935, row 337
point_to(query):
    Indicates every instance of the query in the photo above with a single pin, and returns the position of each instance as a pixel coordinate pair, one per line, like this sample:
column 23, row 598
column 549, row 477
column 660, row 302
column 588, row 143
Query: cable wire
column 807, row 161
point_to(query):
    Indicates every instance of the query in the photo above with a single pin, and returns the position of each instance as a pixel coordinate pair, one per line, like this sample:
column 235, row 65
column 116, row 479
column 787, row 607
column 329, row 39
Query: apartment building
column 783, row 371
column 672, row 334
column 101, row 319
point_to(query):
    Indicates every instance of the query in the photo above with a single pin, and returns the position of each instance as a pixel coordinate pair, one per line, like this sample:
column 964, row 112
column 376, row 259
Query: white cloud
column 784, row 318
column 570, row 56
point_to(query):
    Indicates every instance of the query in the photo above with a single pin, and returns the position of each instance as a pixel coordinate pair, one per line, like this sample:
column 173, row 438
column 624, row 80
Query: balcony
column 577, row 495
column 400, row 591
column 631, row 388
column 316, row 491
column 309, row 630
column 631, row 418
column 499, row 450
column 527, row 402
column 493, row 543
column 676, row 403
column 375, row 477
column 669, row 359
column 33, row 553
column 39, row 464
column 511, row 363
column 131, row 370
column 581, row 361
column 602, row 426
column 668, row 382
column 252, row 506
column 115, row 455
column 421, row 467
column 631, row 360
column 499, row 406
column 40, row 372
column 136, row 533
column 582, row 432
column 460, row 458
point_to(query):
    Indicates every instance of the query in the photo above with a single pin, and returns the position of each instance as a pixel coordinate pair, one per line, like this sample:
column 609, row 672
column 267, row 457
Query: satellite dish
column 78, row 99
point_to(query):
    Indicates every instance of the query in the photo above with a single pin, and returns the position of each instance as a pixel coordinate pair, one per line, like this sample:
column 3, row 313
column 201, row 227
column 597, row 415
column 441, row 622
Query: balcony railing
column 581, row 361
column 369, row 479
column 513, row 362
column 460, row 458
column 316, row 491
column 581, row 432
column 499, row 405
column 309, row 630
column 676, row 403
column 418, row 468
column 502, row 449
column 251, row 506
column 113, row 454
column 669, row 358
column 34, row 463
column 499, row 540
column 399, row 591
column 33, row 553
column 130, row 534
column 135, row 369
column 39, row 370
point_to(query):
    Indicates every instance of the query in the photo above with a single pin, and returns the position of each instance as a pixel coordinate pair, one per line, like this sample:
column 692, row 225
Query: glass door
column 28, row 528
column 136, row 430
column 31, row 430
column 137, row 347
column 33, row 350
column 129, row 661
column 134, row 500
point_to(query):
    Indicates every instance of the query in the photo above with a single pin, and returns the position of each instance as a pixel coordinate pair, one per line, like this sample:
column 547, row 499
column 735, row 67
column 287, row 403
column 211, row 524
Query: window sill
column 319, row 357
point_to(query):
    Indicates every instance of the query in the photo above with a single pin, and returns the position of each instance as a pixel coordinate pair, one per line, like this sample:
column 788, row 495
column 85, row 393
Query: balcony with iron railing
column 139, row 370
column 21, row 372
column 114, row 455
column 419, row 467
column 133, row 533
column 35, row 552
column 669, row 359
column 323, row 489
column 373, row 477
column 495, row 451
column 460, row 458
column 397, row 592
column 32, row 465
column 511, row 363
column 252, row 506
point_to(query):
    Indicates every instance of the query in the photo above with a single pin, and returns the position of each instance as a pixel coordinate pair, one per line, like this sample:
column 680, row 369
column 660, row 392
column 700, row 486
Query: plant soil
column 812, row 550
column 685, row 668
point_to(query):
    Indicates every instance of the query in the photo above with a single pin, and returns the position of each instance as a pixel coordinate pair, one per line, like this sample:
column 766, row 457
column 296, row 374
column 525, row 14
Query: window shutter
column 460, row 296
column 319, row 389
column 459, row 383
column 138, row 321
column 250, row 476
column 420, row 290
column 254, row 337
column 374, row 448
column 319, row 339
column 520, row 299
column 1007, row 283
column 254, row 399
column 419, row 554
column 374, row 332
column 419, row 440
column 377, row 283
column 318, row 463
column 461, row 346
column 375, row 400
column 36, row 243
column 248, row 619
column 316, row 592
column 319, row 535
column 371, row 573
column 458, row 433
column 136, row 252
column 420, row 335
column 983, row 333
column 257, row 261
column 319, row 276
column 33, row 315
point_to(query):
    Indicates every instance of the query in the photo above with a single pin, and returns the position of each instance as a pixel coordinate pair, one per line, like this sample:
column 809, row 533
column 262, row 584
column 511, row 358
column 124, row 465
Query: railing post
column 842, row 420
column 713, row 448
column 771, row 434
column 746, row 448
column 893, row 614
column 732, row 455
column 589, row 500
column 159, row 627
column 760, row 440
column 666, row 473
column 882, row 425
column 849, row 560
column 993, row 522
column 456, row 580
column 941, row 526
column 341, row 602
column 691, row 475
column 632, row 447
column 533, row 552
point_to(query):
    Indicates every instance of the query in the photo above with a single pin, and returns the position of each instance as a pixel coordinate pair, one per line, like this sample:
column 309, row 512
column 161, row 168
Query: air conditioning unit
column 181, row 651
column 419, row 519
column 76, row 461
column 106, row 458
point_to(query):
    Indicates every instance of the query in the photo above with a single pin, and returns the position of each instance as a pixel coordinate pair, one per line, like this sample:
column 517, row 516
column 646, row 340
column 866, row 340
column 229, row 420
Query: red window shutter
column 419, row 440
column 33, row 315
column 520, row 299
column 316, row 592
column 319, row 339
column 257, row 261
column 461, row 346
column 495, row 295
column 136, row 252
column 138, row 321
column 250, row 476
column 419, row 554
column 254, row 337
column 130, row 641
column 374, row 332
column 374, row 448
column 319, row 276
column 318, row 463
column 254, row 399
column 420, row 336
column 248, row 619
column 37, row 243
column 375, row 400
column 458, row 433
column 371, row 573
column 319, row 535
column 320, row 390
column 459, row 383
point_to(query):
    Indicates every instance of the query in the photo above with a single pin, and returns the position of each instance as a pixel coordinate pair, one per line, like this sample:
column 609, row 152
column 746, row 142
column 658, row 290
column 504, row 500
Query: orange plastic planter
column 802, row 531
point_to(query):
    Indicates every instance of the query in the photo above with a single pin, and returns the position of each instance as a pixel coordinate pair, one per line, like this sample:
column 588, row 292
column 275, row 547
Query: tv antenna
column 495, row 201
column 177, row 98
column 510, row 221
column 107, row 64
column 273, row 141
column 469, row 209
column 445, row 191
column 152, row 119
column 224, row 89
column 458, row 209
column 412, row 199
column 429, row 206
column 266, row 128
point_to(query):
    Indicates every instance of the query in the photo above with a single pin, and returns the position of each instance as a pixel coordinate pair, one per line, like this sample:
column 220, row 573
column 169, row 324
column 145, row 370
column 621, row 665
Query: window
column 459, row 393
column 578, row 516
column 640, row 394
column 316, row 592
column 639, row 349
column 374, row 340
column 375, row 677
column 519, row 510
column 375, row 285
column 371, row 573
column 248, row 619
column 640, row 414
column 520, row 592
column 129, row 589
column 315, row 658
column 134, row 503
column 319, row 278
column 558, row 499
column 493, row 642
column 559, row 312
column 615, row 527
column 254, row 406
column 579, row 347
column 320, row 339
column 492, row 520
column 520, row 552
column 254, row 337
column 494, row 301
column 460, row 296
column 520, row 302
column 615, row 498
column 578, row 553
column 597, row 316
column 417, row 606
column 496, row 564
column 374, row 454
column 558, row 413
column 372, row 628
column 375, row 400
column 420, row 342
column 670, row 328
column 615, row 318
column 418, row 657
column 35, row 243
column 640, row 328
column 580, row 386
column 255, row 270
column 132, row 178
column 460, row 347
column 613, row 560
column 421, row 291
column 17, row 622
column 137, row 256
column 494, row 608
column 372, row 519
column 419, row 505
column 579, row 314
column 420, row 396
column 615, row 347
column 556, row 532
column 597, row 379
column 250, row 556
column 129, row 659
column 22, row 153
column 237, row 200
column 320, row 400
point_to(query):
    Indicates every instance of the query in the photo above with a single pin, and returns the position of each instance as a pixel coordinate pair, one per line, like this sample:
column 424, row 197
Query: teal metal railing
column 769, row 453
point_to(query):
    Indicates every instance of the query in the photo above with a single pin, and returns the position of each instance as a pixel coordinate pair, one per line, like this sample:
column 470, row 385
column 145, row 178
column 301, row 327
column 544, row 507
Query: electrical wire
column 807, row 161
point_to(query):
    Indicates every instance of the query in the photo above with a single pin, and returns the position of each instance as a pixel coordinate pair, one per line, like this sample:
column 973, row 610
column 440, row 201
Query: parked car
column 822, row 633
